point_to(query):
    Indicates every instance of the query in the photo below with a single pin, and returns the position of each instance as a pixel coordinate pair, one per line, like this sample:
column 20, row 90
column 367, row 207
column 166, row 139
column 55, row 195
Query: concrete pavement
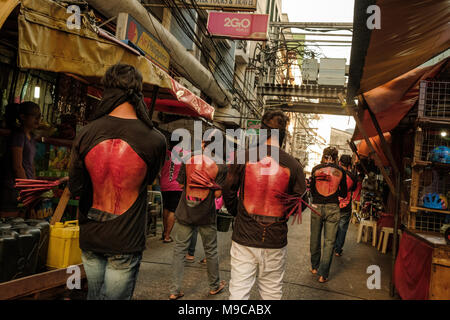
column 348, row 277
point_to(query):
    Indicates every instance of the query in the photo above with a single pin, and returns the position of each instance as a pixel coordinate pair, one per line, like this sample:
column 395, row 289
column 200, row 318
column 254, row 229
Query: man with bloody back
column 201, row 178
column 328, row 182
column 114, row 158
column 257, row 193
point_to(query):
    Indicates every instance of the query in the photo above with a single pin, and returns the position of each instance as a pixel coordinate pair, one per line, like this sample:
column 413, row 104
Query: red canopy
column 185, row 102
column 363, row 148
column 393, row 100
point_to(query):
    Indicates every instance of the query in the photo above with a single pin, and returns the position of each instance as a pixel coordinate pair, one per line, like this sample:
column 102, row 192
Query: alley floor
column 348, row 274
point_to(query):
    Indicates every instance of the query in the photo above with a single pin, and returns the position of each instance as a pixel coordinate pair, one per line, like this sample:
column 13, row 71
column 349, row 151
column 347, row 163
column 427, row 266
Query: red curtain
column 413, row 268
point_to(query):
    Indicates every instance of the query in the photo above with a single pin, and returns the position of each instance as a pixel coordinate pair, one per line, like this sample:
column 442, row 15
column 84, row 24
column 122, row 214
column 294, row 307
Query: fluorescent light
column 37, row 92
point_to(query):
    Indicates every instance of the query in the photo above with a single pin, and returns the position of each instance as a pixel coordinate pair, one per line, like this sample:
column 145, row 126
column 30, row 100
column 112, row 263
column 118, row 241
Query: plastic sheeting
column 411, row 33
column 46, row 43
column 363, row 148
column 393, row 100
column 6, row 7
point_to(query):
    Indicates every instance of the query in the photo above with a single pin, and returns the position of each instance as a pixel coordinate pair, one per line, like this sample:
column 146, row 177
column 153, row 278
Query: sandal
column 222, row 285
column 168, row 241
column 322, row 279
column 176, row 296
column 203, row 261
column 338, row 254
column 313, row 271
column 190, row 259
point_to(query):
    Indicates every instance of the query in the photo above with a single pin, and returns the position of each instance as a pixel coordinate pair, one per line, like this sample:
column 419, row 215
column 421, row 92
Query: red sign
column 238, row 25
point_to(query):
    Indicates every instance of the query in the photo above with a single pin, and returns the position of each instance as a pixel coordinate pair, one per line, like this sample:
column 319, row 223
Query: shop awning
column 6, row 7
column 364, row 150
column 46, row 43
column 392, row 101
column 411, row 33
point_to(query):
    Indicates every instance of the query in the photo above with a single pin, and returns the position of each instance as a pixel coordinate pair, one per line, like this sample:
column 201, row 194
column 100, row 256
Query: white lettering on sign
column 237, row 23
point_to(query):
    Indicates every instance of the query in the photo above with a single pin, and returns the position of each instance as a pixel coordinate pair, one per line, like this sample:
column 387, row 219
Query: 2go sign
column 238, row 25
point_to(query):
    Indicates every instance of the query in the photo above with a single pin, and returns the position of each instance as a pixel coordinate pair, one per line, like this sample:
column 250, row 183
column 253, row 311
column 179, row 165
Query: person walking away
column 328, row 182
column 345, row 204
column 196, row 209
column 18, row 162
column 170, row 189
column 191, row 250
column 114, row 158
column 255, row 197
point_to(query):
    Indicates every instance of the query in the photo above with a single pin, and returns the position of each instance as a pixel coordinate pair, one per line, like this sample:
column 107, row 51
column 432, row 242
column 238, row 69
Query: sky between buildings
column 324, row 11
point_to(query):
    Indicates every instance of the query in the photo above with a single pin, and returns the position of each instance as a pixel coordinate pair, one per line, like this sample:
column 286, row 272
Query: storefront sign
column 238, row 25
column 129, row 29
column 228, row 5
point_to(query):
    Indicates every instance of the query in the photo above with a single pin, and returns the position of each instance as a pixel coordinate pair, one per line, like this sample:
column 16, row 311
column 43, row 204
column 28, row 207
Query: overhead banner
column 131, row 31
column 227, row 5
column 245, row 26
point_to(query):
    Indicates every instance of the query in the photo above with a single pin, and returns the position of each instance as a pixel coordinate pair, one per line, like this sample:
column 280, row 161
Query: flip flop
column 222, row 285
column 176, row 296
column 322, row 279
column 203, row 261
column 313, row 271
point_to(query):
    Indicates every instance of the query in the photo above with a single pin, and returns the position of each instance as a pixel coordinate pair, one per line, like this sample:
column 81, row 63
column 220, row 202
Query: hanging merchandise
column 440, row 154
column 71, row 102
column 435, row 201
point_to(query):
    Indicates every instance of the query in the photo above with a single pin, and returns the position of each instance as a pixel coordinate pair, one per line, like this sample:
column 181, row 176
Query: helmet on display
column 440, row 154
column 435, row 201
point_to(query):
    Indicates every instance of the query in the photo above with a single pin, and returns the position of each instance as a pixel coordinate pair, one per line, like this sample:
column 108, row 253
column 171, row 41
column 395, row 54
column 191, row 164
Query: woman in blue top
column 19, row 157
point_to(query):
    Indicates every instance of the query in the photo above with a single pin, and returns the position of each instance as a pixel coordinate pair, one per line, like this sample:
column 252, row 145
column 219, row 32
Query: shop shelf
column 417, row 209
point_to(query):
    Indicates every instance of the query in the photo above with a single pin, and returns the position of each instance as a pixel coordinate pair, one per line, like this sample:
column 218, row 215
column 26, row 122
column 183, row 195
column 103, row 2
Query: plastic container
column 28, row 248
column 44, row 227
column 223, row 221
column 64, row 249
column 9, row 255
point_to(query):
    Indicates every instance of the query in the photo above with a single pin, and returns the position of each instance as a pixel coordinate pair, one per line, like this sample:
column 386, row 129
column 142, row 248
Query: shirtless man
column 114, row 158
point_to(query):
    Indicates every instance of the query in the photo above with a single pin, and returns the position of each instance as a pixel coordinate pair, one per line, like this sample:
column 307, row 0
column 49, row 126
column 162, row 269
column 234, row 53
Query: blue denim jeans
column 109, row 276
column 342, row 231
column 328, row 221
column 193, row 243
column 183, row 237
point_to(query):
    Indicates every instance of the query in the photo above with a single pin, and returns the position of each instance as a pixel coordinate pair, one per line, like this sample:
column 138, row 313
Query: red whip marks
column 201, row 171
column 261, row 191
column 327, row 180
column 117, row 173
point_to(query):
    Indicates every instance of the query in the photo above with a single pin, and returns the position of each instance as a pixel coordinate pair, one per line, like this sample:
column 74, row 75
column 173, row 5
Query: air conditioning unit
column 185, row 83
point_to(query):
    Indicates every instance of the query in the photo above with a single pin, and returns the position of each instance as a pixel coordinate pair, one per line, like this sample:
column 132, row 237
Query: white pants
column 245, row 261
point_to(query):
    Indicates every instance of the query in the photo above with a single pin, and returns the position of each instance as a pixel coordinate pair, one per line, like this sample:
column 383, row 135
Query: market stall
column 407, row 96
column 60, row 69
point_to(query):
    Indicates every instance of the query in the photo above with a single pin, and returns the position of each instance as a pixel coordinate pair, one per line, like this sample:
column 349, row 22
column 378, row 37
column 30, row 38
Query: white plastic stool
column 384, row 238
column 366, row 224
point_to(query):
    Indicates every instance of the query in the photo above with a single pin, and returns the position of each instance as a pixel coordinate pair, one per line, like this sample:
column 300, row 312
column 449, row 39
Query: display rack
column 432, row 130
column 433, row 119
